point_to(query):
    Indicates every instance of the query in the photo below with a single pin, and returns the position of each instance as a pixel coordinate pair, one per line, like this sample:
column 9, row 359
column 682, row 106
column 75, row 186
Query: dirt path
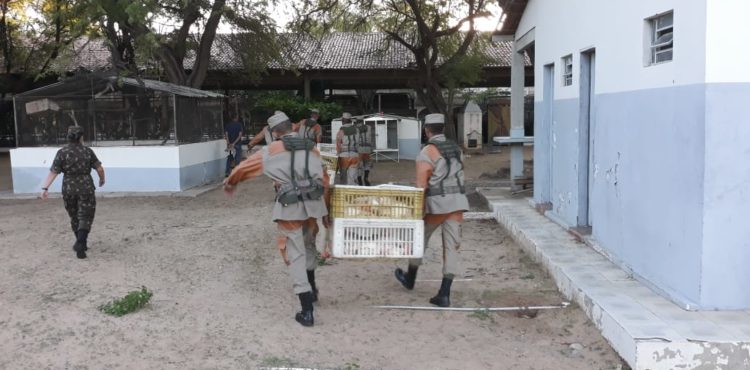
column 222, row 298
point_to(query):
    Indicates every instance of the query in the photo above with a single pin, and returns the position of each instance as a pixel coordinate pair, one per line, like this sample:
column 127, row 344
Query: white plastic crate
column 377, row 238
column 327, row 148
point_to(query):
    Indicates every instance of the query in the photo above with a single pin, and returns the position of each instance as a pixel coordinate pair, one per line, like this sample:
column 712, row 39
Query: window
column 567, row 75
column 660, row 32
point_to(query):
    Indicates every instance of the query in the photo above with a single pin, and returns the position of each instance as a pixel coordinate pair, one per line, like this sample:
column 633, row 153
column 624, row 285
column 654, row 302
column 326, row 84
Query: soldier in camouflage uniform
column 346, row 146
column 440, row 171
column 364, row 148
column 75, row 161
column 295, row 166
column 309, row 128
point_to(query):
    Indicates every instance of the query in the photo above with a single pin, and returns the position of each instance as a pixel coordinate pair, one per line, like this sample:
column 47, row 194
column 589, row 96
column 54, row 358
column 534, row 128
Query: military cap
column 277, row 119
column 434, row 119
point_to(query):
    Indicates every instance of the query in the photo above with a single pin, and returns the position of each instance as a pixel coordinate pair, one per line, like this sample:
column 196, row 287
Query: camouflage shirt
column 76, row 161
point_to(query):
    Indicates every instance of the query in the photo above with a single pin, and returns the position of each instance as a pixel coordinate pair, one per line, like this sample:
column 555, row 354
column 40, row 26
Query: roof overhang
column 512, row 11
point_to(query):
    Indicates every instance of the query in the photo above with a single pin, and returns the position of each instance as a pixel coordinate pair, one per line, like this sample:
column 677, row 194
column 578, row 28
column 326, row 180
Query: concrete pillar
column 307, row 88
column 517, row 78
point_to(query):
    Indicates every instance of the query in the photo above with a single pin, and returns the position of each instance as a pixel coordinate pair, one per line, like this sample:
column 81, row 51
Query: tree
column 181, row 33
column 36, row 33
column 441, row 36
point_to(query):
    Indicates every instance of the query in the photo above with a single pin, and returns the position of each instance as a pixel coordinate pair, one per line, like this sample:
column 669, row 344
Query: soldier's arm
column 100, row 172
column 425, row 166
column 248, row 169
column 318, row 133
column 339, row 136
column 257, row 138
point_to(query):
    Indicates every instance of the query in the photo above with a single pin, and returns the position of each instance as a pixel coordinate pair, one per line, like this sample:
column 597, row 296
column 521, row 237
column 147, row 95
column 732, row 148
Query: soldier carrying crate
column 346, row 147
column 440, row 171
column 295, row 166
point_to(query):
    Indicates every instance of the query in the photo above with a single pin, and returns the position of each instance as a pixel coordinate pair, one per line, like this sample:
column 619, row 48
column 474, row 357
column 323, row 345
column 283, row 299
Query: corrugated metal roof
column 168, row 88
column 89, row 84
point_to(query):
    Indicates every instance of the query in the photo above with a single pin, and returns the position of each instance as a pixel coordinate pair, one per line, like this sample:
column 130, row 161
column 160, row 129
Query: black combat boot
column 367, row 178
column 407, row 279
column 311, row 280
column 305, row 317
column 81, row 243
column 359, row 180
column 443, row 298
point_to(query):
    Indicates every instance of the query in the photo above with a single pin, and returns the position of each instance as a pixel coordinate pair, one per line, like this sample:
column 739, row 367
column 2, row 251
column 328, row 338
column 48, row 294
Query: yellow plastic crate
column 377, row 202
column 330, row 162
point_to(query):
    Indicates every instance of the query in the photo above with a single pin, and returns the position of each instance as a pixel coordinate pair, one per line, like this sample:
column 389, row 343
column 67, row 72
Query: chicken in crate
column 382, row 221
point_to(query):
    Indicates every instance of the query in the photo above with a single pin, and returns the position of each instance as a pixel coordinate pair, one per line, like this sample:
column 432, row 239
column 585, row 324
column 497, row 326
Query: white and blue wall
column 130, row 168
column 668, row 157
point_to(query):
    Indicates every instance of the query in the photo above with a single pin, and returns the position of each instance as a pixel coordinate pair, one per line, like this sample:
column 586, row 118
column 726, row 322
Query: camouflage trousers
column 365, row 163
column 81, row 209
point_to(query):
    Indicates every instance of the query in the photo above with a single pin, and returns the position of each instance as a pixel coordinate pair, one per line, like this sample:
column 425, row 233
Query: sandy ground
column 222, row 298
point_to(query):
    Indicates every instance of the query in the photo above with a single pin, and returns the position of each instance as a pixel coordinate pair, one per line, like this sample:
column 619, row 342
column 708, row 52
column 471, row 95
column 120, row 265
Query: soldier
column 233, row 136
column 364, row 148
column 75, row 162
column 346, row 146
column 309, row 128
column 295, row 166
column 440, row 171
column 264, row 134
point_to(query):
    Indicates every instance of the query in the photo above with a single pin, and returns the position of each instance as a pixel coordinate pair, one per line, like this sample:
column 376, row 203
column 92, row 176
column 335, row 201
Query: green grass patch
column 274, row 361
column 482, row 315
column 132, row 302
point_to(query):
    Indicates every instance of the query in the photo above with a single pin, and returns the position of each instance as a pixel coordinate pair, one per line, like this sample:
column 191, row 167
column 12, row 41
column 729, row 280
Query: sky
column 283, row 13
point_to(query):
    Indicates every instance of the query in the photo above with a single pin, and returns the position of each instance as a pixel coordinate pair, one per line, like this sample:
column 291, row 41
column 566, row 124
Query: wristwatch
column 45, row 189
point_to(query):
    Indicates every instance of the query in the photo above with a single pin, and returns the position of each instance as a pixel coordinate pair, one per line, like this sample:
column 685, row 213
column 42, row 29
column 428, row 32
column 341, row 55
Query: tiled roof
column 337, row 51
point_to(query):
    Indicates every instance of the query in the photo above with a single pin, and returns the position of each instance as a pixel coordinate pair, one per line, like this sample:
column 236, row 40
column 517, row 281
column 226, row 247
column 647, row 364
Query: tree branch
column 203, row 56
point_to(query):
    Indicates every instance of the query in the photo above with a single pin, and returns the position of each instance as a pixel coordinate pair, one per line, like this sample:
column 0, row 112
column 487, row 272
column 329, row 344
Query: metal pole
column 475, row 309
column 93, row 113
column 174, row 118
column 15, row 119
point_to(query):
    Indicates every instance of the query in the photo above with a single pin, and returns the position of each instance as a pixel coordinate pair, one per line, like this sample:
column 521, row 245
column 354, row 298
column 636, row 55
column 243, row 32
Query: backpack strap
column 452, row 155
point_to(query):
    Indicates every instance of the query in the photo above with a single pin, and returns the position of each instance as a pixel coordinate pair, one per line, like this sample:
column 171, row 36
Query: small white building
column 395, row 137
column 469, row 124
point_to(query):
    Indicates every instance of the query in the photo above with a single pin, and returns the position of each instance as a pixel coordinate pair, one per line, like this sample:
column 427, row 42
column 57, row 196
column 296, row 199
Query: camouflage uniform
column 309, row 129
column 346, row 146
column 75, row 162
column 364, row 148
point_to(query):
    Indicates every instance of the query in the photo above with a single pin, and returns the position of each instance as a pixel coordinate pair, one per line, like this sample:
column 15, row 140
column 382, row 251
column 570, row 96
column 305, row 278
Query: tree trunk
column 432, row 96
column 203, row 55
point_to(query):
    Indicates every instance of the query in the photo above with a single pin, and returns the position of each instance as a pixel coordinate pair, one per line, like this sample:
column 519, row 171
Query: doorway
column 586, row 143
column 548, row 111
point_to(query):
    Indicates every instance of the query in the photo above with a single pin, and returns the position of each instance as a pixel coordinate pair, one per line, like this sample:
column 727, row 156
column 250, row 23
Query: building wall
column 202, row 163
column 726, row 236
column 129, row 169
column 651, row 138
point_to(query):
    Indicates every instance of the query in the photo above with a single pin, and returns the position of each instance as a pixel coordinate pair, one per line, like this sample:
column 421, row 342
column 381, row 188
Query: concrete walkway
column 190, row 193
column 647, row 330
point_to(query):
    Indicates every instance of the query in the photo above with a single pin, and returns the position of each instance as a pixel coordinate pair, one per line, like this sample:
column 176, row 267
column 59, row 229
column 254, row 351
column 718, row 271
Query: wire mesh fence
column 118, row 118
